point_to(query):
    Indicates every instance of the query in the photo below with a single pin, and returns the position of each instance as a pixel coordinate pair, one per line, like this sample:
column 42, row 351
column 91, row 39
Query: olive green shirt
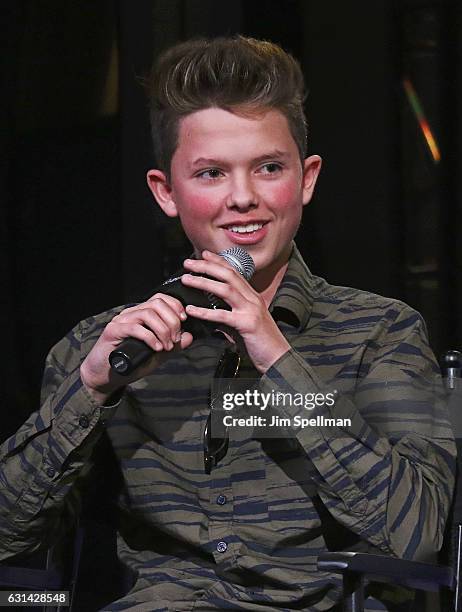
column 247, row 536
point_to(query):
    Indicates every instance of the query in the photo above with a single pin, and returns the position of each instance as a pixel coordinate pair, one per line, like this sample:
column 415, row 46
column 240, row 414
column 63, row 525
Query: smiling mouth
column 245, row 229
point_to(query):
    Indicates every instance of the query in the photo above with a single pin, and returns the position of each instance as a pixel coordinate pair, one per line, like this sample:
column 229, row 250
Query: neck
column 269, row 291
column 267, row 281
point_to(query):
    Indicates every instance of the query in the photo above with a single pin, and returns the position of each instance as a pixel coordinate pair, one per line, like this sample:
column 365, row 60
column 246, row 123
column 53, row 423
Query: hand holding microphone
column 133, row 352
column 217, row 295
column 156, row 322
column 247, row 316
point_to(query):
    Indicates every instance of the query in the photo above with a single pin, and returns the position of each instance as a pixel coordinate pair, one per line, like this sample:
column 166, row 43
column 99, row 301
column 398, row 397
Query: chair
column 356, row 568
column 56, row 575
column 93, row 541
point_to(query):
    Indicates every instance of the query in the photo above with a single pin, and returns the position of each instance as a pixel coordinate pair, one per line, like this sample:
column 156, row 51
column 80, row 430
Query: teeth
column 245, row 229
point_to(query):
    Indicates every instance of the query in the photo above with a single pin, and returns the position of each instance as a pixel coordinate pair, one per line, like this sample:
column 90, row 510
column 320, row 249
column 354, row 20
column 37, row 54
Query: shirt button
column 222, row 547
column 84, row 422
column 51, row 472
column 221, row 500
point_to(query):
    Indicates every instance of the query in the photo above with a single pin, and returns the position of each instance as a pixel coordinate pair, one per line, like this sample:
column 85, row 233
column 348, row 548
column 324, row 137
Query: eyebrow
column 209, row 161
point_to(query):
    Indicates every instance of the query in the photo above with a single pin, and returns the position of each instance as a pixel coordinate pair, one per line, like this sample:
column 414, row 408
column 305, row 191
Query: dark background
column 78, row 228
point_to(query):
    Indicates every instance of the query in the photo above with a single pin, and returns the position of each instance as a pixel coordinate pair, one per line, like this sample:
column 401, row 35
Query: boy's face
column 237, row 181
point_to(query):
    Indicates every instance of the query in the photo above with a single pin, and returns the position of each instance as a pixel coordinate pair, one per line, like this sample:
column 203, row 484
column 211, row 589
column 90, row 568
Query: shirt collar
column 293, row 300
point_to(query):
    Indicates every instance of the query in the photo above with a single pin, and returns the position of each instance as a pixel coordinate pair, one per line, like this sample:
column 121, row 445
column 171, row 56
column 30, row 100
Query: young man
column 230, row 140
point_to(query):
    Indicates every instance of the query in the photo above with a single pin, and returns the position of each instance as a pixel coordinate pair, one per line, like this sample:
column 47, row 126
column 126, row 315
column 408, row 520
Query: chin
column 263, row 264
column 270, row 260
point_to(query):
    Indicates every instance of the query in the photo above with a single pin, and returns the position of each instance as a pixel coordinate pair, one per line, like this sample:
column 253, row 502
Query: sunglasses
column 216, row 443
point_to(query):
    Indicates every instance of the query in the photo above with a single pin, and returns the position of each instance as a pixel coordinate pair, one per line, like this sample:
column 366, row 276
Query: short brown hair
column 237, row 74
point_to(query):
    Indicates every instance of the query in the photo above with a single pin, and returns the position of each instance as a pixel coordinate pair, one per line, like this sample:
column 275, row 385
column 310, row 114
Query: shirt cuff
column 75, row 413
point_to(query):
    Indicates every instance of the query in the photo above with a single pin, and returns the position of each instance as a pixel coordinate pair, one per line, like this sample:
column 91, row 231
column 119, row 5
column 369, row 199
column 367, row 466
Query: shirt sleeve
column 43, row 463
column 388, row 475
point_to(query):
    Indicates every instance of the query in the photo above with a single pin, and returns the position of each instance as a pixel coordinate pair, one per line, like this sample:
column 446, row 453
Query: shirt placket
column 222, row 537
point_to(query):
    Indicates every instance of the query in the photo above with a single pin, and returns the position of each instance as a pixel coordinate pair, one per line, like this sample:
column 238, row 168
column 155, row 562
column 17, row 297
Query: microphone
column 131, row 352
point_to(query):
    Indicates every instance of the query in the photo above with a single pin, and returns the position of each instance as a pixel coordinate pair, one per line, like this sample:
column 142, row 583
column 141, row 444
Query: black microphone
column 131, row 352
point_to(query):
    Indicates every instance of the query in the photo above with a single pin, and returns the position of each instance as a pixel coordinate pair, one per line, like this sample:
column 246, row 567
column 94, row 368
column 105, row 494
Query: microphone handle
column 131, row 352
column 129, row 355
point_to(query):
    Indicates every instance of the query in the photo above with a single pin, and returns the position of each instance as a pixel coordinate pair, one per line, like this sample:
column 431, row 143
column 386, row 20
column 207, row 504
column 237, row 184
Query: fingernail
column 158, row 346
column 183, row 316
column 178, row 337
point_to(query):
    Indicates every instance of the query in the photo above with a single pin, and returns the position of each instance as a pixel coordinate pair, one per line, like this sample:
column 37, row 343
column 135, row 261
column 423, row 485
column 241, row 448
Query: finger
column 174, row 303
column 152, row 320
column 217, row 259
column 214, row 315
column 222, row 290
column 169, row 316
column 138, row 331
column 210, row 256
column 159, row 308
column 220, row 270
column 166, row 323
column 186, row 340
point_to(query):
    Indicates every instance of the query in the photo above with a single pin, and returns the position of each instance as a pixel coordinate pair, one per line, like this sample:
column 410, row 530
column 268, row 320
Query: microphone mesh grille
column 240, row 260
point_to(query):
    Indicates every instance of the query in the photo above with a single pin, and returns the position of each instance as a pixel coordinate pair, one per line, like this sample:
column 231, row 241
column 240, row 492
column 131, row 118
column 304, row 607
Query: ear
column 311, row 169
column 162, row 191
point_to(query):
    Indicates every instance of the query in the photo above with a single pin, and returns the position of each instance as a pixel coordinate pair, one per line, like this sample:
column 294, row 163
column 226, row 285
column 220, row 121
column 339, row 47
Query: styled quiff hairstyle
column 238, row 74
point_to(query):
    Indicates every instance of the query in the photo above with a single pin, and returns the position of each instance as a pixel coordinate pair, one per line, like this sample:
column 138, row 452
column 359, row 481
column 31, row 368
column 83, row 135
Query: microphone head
column 240, row 260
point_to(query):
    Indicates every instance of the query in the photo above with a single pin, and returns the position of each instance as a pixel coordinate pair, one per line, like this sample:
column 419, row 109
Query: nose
column 242, row 195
